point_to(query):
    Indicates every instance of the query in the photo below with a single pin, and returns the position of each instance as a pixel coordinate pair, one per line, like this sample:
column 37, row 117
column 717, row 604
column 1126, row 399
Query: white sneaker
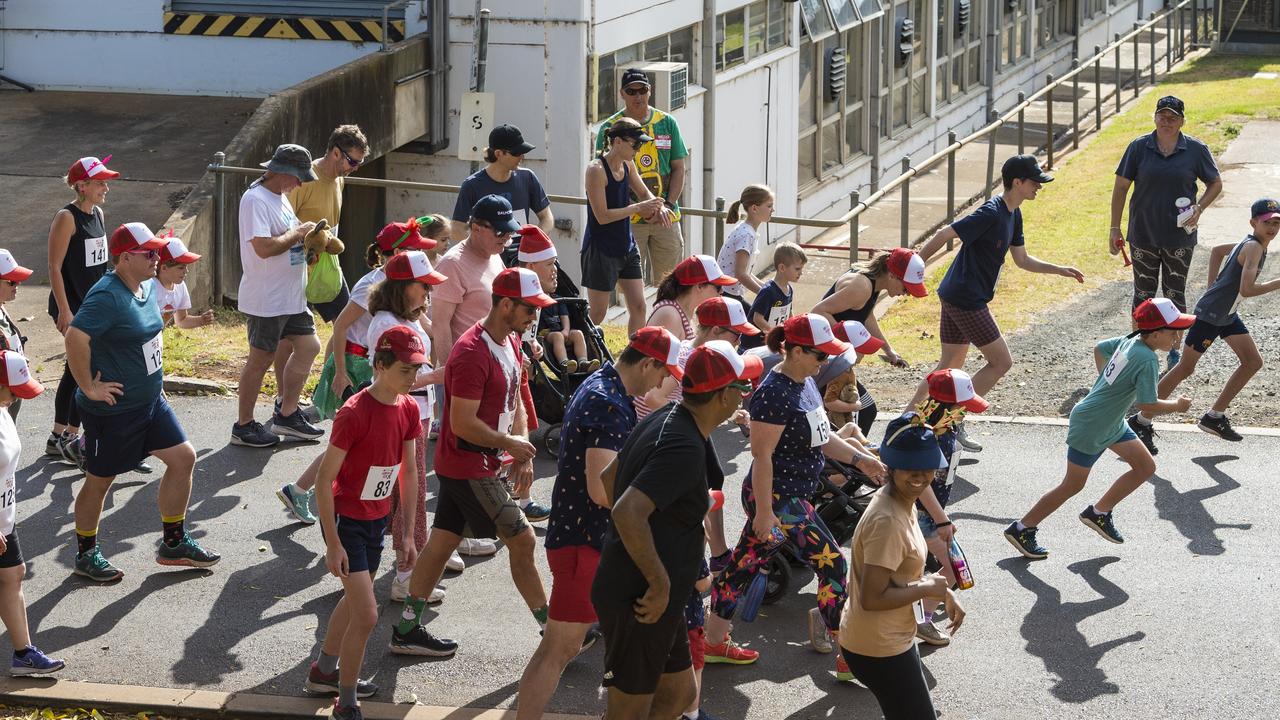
column 399, row 590
column 477, row 547
column 455, row 563
column 819, row 637
column 436, row 597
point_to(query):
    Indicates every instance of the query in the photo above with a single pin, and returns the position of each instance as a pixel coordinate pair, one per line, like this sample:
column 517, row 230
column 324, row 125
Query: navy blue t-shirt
column 523, row 190
column 773, row 305
column 124, row 332
column 987, row 234
column 797, row 460
column 599, row 415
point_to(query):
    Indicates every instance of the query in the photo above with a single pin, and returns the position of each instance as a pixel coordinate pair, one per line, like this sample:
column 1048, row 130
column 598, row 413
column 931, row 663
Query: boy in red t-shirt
column 359, row 471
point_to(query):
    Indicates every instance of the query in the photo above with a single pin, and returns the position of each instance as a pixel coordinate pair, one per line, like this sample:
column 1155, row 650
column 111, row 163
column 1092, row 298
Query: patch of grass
column 1068, row 223
column 31, row 713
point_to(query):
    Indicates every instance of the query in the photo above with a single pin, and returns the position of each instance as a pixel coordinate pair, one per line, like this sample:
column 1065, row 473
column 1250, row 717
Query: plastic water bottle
column 959, row 565
column 1184, row 213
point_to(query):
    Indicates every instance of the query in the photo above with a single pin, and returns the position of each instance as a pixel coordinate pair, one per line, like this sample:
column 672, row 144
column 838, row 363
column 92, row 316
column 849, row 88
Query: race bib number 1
column 379, row 483
column 95, row 251
column 152, row 353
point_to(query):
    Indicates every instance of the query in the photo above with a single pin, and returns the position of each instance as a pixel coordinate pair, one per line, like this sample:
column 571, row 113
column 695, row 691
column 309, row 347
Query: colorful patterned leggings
column 809, row 534
column 1163, row 267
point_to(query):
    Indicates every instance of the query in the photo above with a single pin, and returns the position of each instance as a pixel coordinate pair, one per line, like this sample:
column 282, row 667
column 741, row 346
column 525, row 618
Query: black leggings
column 867, row 415
column 897, row 682
column 65, row 410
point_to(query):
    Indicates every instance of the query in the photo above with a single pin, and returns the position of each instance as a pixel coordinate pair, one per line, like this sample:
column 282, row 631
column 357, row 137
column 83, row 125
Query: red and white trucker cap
column 812, row 330
column 10, row 269
column 659, row 344
column 698, row 269
column 413, row 265
column 855, row 333
column 955, row 387
column 721, row 312
column 907, row 266
column 522, row 284
column 90, row 168
column 175, row 251
column 134, row 236
column 15, row 375
column 1160, row 313
column 405, row 343
column 715, row 364
column 535, row 246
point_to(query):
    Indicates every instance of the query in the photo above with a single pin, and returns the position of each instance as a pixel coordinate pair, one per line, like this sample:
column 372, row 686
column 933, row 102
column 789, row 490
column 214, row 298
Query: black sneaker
column 420, row 642
column 53, row 446
column 347, row 713
column 320, row 684
column 1025, row 542
column 1146, row 432
column 1219, row 426
column 593, row 635
column 295, row 425
column 253, row 434
column 1101, row 523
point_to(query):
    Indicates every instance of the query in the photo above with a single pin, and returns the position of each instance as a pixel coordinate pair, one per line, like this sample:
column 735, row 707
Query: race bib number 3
column 1115, row 367
column 152, row 353
column 95, row 251
column 379, row 483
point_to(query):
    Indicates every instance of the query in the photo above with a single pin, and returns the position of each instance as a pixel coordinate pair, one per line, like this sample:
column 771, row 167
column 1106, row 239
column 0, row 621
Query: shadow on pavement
column 1051, row 628
column 1187, row 512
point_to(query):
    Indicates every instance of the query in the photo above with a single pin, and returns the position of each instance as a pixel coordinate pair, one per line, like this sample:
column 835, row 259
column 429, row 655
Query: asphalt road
column 1178, row 622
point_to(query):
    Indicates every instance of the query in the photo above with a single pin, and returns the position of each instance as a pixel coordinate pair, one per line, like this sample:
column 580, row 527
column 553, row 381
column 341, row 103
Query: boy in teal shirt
column 1127, row 373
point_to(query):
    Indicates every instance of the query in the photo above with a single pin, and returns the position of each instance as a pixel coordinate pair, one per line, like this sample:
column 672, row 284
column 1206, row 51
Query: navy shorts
column 12, row 556
column 1202, row 333
column 1086, row 460
column 602, row 272
column 115, row 444
column 362, row 540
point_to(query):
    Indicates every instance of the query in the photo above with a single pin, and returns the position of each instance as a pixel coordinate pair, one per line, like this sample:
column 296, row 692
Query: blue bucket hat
column 909, row 445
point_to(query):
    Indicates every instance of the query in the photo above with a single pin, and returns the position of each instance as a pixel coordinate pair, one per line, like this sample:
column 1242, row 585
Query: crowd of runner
column 430, row 366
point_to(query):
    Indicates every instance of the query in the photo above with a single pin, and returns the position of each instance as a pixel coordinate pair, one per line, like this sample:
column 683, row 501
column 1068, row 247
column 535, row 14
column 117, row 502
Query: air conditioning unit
column 670, row 81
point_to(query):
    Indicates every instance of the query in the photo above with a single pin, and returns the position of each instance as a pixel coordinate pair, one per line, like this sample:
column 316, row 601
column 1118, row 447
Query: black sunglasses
column 633, row 91
column 817, row 354
column 350, row 160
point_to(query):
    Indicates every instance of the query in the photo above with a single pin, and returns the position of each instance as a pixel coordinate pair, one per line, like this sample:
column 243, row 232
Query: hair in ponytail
column 669, row 288
column 753, row 194
column 875, row 267
column 775, row 338
column 374, row 256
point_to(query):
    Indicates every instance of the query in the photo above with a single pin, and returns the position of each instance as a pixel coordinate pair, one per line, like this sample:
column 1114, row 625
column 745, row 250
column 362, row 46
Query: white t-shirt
column 170, row 300
column 358, row 332
column 10, row 449
column 743, row 237
column 384, row 321
column 274, row 286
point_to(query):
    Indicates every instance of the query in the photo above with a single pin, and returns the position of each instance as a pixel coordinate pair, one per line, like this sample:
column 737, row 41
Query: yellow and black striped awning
column 291, row 28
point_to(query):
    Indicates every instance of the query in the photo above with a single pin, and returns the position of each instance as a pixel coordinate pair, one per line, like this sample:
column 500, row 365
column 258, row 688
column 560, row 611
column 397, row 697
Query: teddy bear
column 321, row 240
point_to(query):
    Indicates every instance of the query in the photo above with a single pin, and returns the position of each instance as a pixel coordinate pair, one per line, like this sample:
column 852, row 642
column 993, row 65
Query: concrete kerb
column 207, row 704
column 1063, row 422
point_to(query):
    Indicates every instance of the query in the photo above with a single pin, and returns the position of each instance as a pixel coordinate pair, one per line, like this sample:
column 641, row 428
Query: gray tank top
column 1217, row 306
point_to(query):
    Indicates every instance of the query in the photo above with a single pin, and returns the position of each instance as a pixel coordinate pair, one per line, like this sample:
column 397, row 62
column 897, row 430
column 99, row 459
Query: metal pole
column 1119, row 78
column 1048, row 103
column 951, row 181
column 1097, row 87
column 708, row 155
column 482, row 59
column 1151, row 45
column 1137, row 63
column 991, row 156
column 853, row 228
column 1195, row 22
column 719, row 226
column 1168, row 41
column 905, row 205
column 1022, row 122
column 219, row 224
column 1075, row 105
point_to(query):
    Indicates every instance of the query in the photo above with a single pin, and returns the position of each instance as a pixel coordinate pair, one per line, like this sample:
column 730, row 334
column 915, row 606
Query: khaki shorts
column 660, row 248
column 478, row 508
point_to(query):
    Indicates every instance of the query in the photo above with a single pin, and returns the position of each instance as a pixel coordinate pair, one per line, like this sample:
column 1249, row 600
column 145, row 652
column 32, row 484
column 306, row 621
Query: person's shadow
column 1051, row 628
column 1187, row 512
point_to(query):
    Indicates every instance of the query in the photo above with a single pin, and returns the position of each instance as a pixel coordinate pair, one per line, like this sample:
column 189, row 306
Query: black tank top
column 79, row 271
column 860, row 314
column 611, row 239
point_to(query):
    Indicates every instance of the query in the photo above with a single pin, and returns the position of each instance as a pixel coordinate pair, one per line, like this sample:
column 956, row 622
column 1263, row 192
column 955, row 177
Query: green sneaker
column 187, row 553
column 92, row 565
column 298, row 504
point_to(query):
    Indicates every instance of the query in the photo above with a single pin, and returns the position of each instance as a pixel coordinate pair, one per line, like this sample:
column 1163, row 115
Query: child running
column 170, row 289
column 772, row 305
column 371, row 451
column 1216, row 317
column 1127, row 370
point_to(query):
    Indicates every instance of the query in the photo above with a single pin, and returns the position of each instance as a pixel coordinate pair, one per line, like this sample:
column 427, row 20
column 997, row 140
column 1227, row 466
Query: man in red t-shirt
column 371, row 451
column 483, row 457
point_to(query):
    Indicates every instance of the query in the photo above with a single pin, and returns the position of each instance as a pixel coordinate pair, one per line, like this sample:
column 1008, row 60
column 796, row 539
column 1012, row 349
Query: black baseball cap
column 634, row 75
column 629, row 132
column 1264, row 209
column 1171, row 103
column 495, row 210
column 1024, row 167
column 508, row 139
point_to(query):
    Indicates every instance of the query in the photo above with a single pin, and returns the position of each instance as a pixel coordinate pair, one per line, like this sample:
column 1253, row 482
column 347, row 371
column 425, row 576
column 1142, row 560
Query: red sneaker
column 730, row 653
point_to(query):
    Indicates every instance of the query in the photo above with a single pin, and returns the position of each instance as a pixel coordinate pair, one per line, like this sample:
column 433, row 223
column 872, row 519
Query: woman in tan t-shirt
column 878, row 626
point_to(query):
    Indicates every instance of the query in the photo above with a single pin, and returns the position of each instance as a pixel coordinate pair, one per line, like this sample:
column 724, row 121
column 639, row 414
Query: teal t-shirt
column 124, row 332
column 1129, row 376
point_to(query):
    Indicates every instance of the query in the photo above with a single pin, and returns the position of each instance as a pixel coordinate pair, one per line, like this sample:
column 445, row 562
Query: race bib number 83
column 379, row 483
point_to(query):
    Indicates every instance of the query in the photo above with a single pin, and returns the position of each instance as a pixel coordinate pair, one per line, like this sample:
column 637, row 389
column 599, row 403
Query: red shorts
column 573, row 568
column 698, row 647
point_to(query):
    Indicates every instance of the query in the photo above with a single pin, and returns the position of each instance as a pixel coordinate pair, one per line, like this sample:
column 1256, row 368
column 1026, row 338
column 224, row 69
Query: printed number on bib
column 297, row 255
column 819, row 427
column 95, row 251
column 379, row 483
column 955, row 463
column 918, row 608
column 505, row 421
column 1115, row 367
column 779, row 314
column 152, row 352
column 8, row 513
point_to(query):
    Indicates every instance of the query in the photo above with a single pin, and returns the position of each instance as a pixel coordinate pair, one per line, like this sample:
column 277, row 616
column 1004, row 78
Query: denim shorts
column 1086, row 460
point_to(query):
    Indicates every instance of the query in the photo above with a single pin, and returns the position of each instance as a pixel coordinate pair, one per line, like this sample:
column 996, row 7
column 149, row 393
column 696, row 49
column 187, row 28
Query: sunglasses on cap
column 817, row 354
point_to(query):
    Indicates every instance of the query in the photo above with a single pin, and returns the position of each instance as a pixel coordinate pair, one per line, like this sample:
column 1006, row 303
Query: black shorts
column 12, row 556
column 265, row 333
column 362, row 540
column 602, row 272
column 479, row 508
column 329, row 311
column 115, row 444
column 636, row 655
column 1202, row 333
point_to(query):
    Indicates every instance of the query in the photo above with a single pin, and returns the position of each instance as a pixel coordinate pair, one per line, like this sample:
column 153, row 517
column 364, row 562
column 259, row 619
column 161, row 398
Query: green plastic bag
column 324, row 279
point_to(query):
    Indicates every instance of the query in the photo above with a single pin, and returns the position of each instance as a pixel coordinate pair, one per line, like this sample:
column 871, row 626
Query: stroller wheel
column 779, row 578
column 551, row 441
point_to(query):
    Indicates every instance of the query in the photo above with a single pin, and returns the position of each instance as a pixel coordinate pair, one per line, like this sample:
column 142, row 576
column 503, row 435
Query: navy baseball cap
column 1172, row 104
column 1024, row 167
column 495, row 210
column 910, row 446
column 1264, row 209
column 630, row 76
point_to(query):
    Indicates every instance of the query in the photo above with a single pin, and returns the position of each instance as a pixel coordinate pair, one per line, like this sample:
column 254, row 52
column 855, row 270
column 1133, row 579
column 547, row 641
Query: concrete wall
column 120, row 46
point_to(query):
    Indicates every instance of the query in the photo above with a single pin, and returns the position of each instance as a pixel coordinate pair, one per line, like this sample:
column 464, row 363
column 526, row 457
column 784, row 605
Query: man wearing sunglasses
column 661, row 164
column 504, row 177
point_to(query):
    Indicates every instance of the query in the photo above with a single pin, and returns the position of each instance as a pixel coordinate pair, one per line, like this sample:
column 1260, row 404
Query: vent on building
column 670, row 82
column 906, row 40
column 836, row 64
column 963, row 11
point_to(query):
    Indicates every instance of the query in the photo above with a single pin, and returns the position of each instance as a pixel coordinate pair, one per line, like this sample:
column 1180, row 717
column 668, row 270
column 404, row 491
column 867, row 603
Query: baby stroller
column 550, row 385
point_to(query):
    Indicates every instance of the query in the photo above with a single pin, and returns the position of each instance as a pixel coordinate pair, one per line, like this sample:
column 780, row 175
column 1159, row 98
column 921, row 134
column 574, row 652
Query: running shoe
column 477, row 547
column 843, row 673
column 144, row 468
column 420, row 642
column 253, row 434
column 1219, row 426
column 321, row 684
column 1024, row 541
column 966, row 442
column 932, row 634
column 730, row 653
column 434, row 431
column 187, row 553
column 298, row 504
column 533, row 512
column 92, row 565
column 72, row 447
column 53, row 446
column 1101, row 523
column 1146, row 432
column 400, row 591
column 455, row 563
column 347, row 713
column 591, row 638
column 819, row 637
column 34, row 663
column 295, row 425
